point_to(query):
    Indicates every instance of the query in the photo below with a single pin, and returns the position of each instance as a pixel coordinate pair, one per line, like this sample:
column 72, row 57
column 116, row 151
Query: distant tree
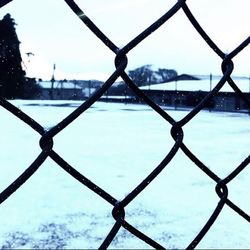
column 166, row 74
column 143, row 75
column 13, row 83
column 31, row 89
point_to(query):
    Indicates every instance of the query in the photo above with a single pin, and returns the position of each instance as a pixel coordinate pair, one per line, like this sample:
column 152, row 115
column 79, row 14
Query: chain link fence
column 121, row 60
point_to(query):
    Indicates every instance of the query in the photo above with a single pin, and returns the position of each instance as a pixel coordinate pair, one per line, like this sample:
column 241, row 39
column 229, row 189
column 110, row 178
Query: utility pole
column 249, row 84
column 249, row 94
column 89, row 87
column 211, row 77
column 52, row 83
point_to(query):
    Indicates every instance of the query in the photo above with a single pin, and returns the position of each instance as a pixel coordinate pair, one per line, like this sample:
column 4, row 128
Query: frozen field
column 116, row 146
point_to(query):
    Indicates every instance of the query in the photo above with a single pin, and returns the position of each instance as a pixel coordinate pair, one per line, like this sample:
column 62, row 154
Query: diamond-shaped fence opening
column 177, row 132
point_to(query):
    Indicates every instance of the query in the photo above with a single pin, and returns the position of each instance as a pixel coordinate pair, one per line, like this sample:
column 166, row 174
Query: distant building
column 62, row 90
column 184, row 91
column 188, row 93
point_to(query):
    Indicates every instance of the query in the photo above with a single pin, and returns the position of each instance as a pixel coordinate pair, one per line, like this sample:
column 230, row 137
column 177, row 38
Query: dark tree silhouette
column 13, row 83
column 144, row 75
column 166, row 74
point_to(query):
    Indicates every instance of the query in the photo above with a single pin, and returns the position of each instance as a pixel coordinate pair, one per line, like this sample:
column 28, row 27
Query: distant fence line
column 179, row 94
column 121, row 60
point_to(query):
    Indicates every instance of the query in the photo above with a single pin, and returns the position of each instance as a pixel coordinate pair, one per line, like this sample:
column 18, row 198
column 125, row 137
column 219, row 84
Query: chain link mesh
column 118, row 212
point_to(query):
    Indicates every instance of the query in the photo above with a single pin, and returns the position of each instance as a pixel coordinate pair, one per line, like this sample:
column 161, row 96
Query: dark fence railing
column 118, row 212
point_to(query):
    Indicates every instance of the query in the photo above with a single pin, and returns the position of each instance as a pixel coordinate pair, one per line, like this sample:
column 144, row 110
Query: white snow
column 116, row 146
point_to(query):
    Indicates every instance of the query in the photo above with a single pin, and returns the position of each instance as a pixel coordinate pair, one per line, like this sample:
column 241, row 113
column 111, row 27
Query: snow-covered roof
column 59, row 85
column 198, row 85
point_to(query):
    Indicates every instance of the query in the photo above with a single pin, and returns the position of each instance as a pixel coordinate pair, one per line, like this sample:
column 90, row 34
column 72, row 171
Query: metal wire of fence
column 118, row 212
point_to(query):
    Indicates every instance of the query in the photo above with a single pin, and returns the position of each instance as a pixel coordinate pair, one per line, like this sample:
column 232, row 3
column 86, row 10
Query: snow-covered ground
column 117, row 146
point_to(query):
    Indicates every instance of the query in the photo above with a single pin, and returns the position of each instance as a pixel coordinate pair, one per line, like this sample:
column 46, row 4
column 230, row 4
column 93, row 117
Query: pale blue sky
column 55, row 35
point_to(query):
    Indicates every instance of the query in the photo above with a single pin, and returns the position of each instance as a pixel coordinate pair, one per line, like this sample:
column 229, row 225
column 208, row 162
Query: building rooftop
column 59, row 85
column 199, row 85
